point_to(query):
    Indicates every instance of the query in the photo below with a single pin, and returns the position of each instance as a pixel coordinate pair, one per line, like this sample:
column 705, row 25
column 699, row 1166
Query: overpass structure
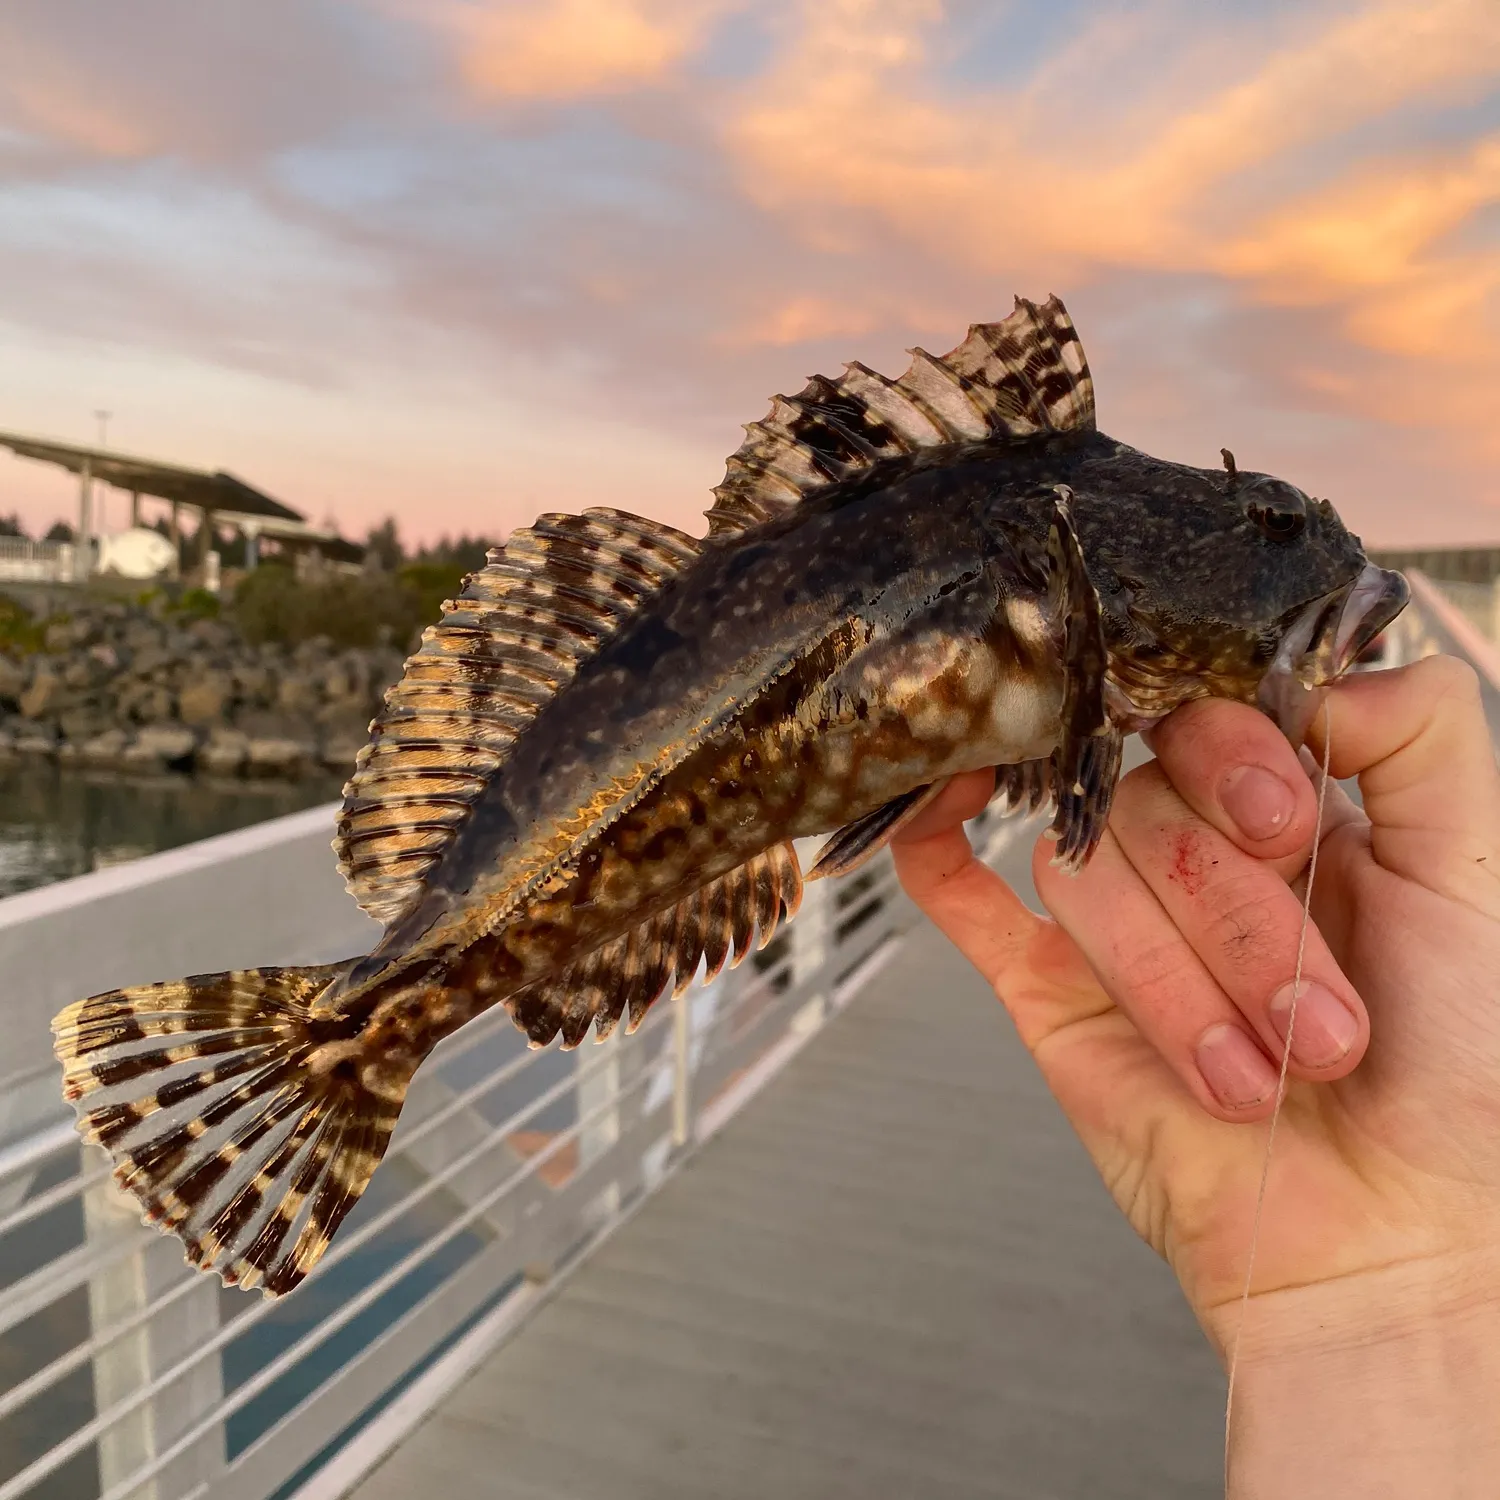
column 816, row 1230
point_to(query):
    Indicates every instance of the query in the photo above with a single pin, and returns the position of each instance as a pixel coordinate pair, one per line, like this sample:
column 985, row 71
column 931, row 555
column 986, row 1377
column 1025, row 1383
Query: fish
column 586, row 788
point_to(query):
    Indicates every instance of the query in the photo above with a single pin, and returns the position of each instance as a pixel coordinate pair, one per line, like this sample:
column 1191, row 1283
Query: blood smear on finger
column 1286, row 1057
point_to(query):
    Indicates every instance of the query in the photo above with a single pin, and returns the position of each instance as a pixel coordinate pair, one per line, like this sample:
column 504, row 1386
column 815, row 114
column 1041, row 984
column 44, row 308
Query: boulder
column 267, row 757
column 268, row 724
column 161, row 747
column 45, row 696
column 84, row 672
column 36, row 739
column 255, row 683
column 225, row 753
column 12, row 681
column 213, row 633
column 146, row 702
column 150, row 659
column 203, row 700
column 71, row 635
column 106, row 749
column 82, row 722
column 298, row 695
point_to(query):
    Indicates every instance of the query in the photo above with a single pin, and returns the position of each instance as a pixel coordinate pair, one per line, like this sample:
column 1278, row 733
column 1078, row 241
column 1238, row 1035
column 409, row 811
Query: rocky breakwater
column 119, row 688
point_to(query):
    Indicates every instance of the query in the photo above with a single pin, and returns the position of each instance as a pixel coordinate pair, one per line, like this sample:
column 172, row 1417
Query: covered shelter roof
column 198, row 488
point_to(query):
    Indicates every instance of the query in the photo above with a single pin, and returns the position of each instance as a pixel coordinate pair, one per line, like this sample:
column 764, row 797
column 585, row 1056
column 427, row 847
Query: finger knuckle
column 1243, row 923
column 1152, row 969
column 1448, row 678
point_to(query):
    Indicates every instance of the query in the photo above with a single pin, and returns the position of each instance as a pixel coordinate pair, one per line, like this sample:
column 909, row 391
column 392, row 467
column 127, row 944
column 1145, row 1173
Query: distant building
column 215, row 499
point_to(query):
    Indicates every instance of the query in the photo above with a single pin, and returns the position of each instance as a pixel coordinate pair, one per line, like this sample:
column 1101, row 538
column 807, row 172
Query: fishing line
column 1286, row 1057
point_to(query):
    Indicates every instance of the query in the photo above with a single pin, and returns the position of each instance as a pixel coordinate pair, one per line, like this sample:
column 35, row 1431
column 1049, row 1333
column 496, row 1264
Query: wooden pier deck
column 893, row 1274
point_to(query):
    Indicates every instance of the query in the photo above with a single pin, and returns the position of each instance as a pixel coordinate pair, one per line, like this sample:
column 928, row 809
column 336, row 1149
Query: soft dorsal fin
column 1008, row 380
column 545, row 601
column 624, row 977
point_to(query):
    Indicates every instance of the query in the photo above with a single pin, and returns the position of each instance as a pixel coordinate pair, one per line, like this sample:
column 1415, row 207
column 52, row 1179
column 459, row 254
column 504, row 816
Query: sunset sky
column 465, row 260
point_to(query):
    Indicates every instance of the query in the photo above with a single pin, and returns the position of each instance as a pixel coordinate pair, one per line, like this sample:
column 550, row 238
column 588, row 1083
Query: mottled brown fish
column 588, row 781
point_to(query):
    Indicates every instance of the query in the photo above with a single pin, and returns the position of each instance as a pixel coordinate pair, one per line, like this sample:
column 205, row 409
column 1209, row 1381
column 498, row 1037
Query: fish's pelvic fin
column 517, row 632
column 1026, row 786
column 1015, row 379
column 625, row 976
column 238, row 1121
column 857, row 843
column 1086, row 763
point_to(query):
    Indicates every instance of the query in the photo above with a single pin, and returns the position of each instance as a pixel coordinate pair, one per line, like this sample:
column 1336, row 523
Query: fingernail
column 1326, row 1028
column 1236, row 1071
column 1260, row 802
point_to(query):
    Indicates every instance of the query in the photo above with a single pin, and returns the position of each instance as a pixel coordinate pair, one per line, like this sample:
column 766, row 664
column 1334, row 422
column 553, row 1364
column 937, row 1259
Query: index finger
column 1235, row 769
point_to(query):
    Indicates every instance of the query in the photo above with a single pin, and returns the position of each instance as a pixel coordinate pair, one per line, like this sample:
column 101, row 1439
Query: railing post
column 813, row 937
column 682, row 1071
column 158, row 1345
column 600, row 1086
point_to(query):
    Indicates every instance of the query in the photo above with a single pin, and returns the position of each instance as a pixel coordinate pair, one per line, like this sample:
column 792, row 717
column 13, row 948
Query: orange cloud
column 852, row 125
column 1369, row 231
column 45, row 96
column 563, row 49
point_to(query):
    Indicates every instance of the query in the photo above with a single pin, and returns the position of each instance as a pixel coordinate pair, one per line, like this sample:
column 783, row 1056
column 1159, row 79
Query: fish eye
column 1280, row 512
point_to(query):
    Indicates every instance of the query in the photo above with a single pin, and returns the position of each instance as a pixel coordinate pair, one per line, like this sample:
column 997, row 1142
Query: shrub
column 198, row 604
column 272, row 604
column 20, row 634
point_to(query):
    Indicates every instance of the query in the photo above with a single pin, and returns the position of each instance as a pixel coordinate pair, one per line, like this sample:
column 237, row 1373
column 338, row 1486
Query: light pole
column 102, row 417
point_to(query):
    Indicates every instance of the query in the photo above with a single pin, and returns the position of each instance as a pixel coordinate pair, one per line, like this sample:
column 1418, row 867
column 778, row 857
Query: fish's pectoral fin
column 1085, row 772
column 626, row 976
column 515, row 635
column 857, row 843
column 1086, row 763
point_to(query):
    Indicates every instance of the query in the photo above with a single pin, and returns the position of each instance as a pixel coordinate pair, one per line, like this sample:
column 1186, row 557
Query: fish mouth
column 1321, row 643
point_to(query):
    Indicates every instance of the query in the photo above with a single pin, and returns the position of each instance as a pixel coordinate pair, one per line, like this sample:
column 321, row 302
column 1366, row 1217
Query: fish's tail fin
column 241, row 1121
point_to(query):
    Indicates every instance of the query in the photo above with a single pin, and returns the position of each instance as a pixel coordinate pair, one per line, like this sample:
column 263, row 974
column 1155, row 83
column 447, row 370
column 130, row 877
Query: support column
column 120, row 1291
column 252, row 548
column 175, row 535
column 85, row 518
column 135, row 507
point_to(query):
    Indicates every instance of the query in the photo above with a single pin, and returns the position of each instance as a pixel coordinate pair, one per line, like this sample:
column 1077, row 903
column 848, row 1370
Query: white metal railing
column 25, row 561
column 134, row 1378
column 125, row 1375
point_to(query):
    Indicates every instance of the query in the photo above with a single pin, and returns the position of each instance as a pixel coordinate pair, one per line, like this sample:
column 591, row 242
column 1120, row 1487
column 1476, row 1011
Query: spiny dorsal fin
column 625, row 976
column 522, row 624
column 1009, row 380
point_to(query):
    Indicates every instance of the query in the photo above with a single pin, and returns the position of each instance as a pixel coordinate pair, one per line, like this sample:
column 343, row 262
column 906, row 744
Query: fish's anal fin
column 857, row 843
column 517, row 632
column 626, row 976
column 1020, row 378
column 1086, row 763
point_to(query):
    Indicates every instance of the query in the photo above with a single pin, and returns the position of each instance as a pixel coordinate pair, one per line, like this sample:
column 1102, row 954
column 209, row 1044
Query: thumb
column 1418, row 740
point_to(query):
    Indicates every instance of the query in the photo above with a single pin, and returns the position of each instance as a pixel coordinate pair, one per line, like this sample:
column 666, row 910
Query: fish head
column 1237, row 584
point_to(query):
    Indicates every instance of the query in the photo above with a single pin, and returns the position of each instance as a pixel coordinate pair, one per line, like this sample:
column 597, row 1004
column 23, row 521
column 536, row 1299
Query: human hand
column 1150, row 1005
